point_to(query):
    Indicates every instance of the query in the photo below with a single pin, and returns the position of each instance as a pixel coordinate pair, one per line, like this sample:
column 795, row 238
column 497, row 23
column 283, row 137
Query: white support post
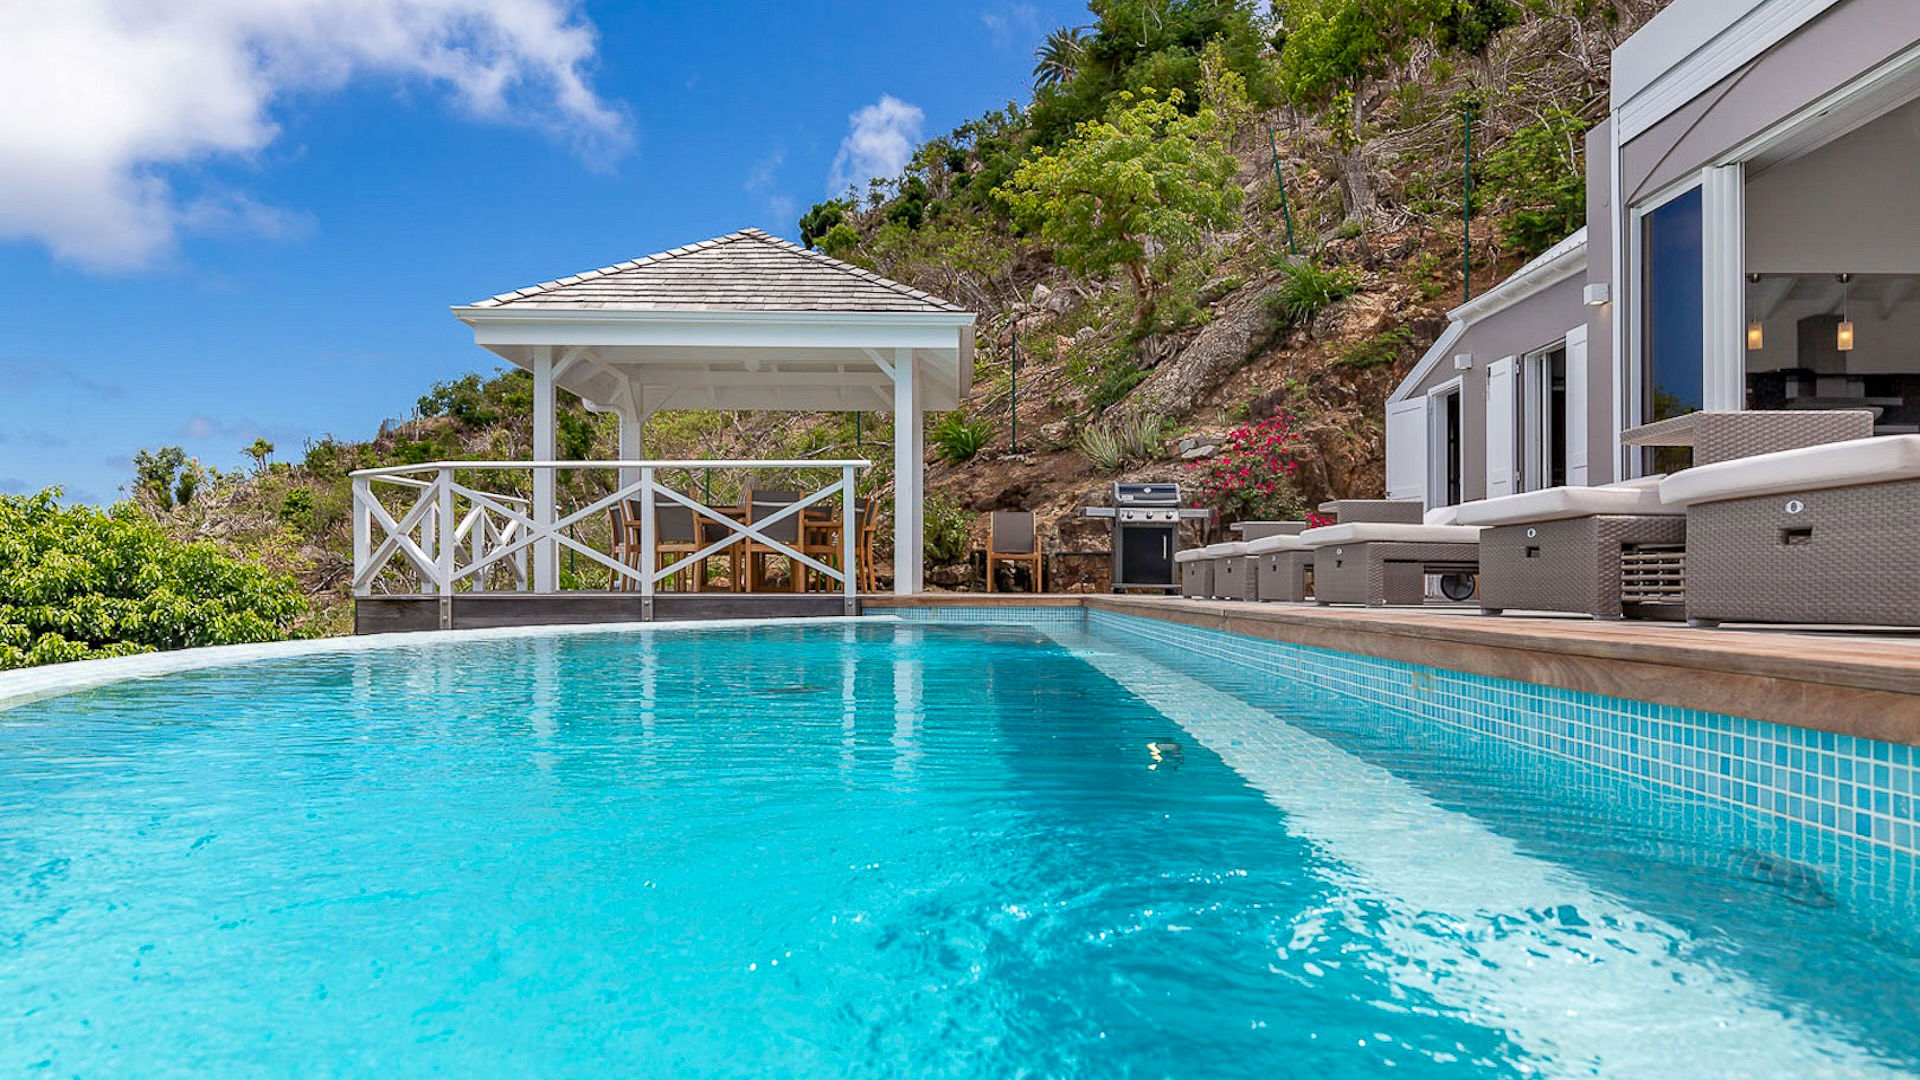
column 443, row 556
column 909, row 475
column 648, row 569
column 362, row 532
column 849, row 529
column 1723, row 216
column 633, row 426
column 546, row 556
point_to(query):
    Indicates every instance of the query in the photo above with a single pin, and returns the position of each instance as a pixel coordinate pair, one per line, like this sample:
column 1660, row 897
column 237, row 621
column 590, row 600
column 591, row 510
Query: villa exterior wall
column 1842, row 43
column 1536, row 322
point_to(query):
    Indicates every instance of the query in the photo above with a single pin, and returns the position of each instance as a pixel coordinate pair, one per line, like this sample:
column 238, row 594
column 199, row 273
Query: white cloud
column 106, row 97
column 763, row 183
column 880, row 140
column 1012, row 25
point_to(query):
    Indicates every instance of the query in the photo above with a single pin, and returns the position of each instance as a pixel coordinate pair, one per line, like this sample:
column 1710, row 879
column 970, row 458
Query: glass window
column 1676, row 309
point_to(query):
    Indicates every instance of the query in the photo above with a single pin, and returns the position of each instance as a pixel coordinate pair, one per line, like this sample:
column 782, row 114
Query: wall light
column 1463, row 361
column 1598, row 294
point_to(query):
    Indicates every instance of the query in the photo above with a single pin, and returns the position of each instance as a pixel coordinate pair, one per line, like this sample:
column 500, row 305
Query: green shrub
column 78, row 583
column 1119, row 440
column 296, row 509
column 1306, row 289
column 1539, row 175
column 957, row 439
column 1377, row 351
column 1115, row 384
column 945, row 531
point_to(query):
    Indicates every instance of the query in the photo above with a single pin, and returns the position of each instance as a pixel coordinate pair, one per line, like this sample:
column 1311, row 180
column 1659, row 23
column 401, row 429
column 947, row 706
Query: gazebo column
column 909, row 475
column 546, row 562
column 633, row 425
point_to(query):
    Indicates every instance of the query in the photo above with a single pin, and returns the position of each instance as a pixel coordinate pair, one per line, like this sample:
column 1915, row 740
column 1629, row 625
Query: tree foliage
column 1538, row 176
column 78, row 583
column 1147, row 174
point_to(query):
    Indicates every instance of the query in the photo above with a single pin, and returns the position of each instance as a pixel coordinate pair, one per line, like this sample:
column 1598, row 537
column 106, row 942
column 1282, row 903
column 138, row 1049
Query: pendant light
column 1756, row 334
column 1845, row 341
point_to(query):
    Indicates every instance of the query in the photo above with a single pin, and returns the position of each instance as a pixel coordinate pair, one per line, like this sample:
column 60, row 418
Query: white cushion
column 1362, row 532
column 1267, row 545
column 1191, row 555
column 1877, row 460
column 1442, row 515
column 1638, row 482
column 1555, row 504
column 1221, row 551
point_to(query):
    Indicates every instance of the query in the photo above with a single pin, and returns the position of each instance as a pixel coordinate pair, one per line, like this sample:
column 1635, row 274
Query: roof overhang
column 650, row 359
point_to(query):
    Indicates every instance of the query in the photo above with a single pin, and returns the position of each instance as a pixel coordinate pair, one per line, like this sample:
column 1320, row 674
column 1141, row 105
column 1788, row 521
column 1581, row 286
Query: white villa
column 1752, row 243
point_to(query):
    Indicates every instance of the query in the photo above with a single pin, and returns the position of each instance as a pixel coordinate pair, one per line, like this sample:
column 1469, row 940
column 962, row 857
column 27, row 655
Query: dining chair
column 1011, row 538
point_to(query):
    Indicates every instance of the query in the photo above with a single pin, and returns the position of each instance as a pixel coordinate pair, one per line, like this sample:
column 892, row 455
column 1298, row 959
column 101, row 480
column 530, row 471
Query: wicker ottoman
column 1824, row 534
column 1563, row 549
column 1378, row 563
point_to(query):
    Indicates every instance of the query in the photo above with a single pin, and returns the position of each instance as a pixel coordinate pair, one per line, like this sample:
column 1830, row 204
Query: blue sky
column 253, row 223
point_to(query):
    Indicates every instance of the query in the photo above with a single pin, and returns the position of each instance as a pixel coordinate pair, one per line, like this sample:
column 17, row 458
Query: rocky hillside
column 1307, row 303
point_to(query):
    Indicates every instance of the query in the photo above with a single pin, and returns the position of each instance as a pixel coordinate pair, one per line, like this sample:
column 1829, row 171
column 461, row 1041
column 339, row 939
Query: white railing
column 450, row 536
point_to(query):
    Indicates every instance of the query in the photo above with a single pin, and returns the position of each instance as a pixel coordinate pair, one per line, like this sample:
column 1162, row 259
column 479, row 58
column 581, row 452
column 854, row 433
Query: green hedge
column 78, row 583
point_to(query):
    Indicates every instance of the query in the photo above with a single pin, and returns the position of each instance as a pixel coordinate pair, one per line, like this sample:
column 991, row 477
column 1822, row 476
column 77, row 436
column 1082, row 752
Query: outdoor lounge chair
column 1232, row 571
column 1196, row 572
column 1282, row 567
column 1570, row 548
column 1237, row 574
column 1011, row 538
column 1822, row 534
column 1380, row 552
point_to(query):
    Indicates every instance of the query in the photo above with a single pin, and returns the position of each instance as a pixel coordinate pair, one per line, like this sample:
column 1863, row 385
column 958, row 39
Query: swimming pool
column 1057, row 846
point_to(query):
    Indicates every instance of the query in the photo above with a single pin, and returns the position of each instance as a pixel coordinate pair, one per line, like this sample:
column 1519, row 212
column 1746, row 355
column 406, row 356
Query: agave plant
column 1058, row 58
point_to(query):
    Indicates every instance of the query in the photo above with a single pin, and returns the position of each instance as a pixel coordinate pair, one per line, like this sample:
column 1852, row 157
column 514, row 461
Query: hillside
column 1137, row 355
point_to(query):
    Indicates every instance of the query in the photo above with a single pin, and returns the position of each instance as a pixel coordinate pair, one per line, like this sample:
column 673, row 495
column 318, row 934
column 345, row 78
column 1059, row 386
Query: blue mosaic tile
column 1853, row 796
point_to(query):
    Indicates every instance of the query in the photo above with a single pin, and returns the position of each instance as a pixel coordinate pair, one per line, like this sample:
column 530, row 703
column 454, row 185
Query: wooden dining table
column 818, row 519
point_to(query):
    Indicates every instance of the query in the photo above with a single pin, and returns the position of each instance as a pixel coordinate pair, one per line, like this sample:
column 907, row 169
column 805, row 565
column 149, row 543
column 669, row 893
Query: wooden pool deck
column 1854, row 681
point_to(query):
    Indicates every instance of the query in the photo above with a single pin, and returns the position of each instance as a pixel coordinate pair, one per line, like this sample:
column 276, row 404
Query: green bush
column 296, row 509
column 1379, row 350
column 956, row 438
column 1306, row 289
column 945, row 531
column 1539, row 174
column 1116, row 382
column 78, row 583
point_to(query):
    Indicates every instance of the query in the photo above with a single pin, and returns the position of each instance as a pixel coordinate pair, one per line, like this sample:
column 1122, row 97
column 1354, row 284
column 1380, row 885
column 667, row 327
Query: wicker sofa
column 1380, row 551
column 1820, row 534
column 1570, row 549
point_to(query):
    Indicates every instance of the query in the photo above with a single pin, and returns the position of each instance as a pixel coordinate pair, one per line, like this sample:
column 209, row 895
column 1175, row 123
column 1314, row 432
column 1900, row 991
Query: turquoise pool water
column 883, row 850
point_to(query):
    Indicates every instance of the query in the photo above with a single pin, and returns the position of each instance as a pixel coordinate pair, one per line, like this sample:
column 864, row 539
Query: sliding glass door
column 1672, row 344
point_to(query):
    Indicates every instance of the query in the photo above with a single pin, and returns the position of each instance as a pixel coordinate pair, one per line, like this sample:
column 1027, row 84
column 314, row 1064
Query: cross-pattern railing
column 421, row 529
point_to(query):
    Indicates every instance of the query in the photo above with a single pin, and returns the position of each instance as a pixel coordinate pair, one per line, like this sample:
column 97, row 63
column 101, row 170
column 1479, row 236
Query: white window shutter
column 1407, row 449
column 1577, row 398
column 1502, row 433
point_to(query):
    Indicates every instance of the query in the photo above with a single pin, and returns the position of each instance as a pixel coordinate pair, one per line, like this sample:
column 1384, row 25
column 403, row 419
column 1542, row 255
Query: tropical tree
column 1058, row 58
column 260, row 452
column 1147, row 175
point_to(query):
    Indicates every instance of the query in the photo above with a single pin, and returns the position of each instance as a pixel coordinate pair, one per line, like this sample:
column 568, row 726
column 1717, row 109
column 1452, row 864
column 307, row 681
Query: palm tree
column 1059, row 56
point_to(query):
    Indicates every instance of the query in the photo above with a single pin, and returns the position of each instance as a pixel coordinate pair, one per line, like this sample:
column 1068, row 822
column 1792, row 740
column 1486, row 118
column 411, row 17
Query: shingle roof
column 749, row 270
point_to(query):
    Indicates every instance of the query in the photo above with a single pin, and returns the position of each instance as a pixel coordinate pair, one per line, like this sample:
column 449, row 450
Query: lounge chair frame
column 1379, row 573
column 1570, row 564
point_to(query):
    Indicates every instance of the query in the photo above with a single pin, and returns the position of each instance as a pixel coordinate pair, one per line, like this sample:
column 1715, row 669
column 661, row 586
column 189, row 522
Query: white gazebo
column 743, row 321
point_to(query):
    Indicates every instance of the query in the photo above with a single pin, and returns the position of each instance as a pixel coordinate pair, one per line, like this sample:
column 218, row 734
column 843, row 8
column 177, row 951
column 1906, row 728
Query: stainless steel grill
column 1146, row 533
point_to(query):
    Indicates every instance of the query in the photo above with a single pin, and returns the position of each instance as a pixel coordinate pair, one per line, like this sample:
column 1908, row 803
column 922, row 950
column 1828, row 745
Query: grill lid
column 1146, row 494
